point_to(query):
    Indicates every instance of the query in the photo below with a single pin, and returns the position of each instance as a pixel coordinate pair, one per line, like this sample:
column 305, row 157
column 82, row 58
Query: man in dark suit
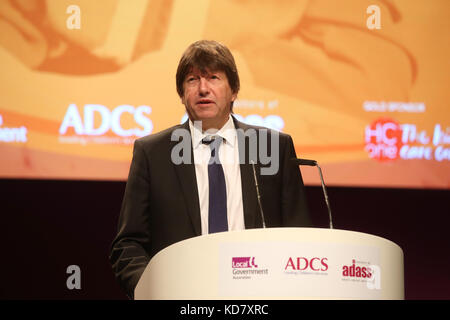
column 199, row 177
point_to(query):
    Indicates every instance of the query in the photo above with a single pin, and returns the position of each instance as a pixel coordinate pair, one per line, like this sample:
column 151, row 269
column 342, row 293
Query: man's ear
column 234, row 96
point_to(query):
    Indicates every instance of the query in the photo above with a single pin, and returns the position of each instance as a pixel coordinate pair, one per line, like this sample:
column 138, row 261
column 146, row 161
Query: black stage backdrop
column 49, row 225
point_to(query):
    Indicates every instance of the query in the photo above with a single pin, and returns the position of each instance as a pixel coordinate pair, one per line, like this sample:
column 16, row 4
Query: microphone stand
column 313, row 163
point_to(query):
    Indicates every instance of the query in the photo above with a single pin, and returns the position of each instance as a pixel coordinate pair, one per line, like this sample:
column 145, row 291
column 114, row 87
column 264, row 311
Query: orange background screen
column 362, row 86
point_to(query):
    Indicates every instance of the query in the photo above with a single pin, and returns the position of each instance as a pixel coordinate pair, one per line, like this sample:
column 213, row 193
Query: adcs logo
column 98, row 120
column 304, row 264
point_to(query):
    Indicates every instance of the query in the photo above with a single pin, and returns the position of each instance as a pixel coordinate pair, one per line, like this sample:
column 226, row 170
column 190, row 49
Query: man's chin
column 206, row 116
column 210, row 121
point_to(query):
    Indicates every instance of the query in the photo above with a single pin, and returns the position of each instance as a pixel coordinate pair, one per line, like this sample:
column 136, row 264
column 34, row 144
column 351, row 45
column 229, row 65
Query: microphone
column 306, row 162
column 258, row 194
column 313, row 163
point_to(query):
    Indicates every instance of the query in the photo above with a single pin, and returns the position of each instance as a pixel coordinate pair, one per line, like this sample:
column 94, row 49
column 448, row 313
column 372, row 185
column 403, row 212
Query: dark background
column 48, row 225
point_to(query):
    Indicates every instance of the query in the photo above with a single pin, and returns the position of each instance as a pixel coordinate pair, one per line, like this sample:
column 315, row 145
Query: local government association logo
column 11, row 135
column 246, row 268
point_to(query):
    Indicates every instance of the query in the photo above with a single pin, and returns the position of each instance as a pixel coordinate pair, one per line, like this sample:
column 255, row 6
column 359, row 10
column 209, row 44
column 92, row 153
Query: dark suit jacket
column 161, row 204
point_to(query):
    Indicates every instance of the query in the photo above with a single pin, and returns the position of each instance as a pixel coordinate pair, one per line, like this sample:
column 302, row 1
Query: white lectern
column 276, row 263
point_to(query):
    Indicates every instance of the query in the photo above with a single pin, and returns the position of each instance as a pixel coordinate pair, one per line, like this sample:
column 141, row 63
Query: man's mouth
column 204, row 101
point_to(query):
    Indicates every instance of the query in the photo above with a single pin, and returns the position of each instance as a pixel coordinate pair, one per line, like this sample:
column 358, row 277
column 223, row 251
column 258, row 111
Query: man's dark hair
column 207, row 55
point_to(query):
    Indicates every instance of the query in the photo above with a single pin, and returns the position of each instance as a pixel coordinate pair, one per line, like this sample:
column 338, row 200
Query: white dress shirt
column 229, row 158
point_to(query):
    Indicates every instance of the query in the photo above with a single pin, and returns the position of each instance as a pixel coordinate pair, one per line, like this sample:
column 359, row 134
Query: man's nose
column 203, row 86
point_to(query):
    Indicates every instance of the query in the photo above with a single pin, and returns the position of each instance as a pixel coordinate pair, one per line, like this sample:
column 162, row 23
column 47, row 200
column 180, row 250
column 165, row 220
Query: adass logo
column 356, row 271
column 362, row 272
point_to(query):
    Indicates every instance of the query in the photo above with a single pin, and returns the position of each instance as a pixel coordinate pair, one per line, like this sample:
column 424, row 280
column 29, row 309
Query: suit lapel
column 249, row 196
column 188, row 183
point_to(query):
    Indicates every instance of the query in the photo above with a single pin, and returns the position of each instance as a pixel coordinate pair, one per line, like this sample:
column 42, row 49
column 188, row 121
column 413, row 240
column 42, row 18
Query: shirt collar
column 227, row 132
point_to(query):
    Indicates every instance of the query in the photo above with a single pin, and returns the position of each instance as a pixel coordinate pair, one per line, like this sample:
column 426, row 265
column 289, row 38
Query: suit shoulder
column 163, row 136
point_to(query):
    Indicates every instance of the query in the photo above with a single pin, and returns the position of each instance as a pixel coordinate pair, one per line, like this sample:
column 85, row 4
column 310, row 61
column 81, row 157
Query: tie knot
column 214, row 143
